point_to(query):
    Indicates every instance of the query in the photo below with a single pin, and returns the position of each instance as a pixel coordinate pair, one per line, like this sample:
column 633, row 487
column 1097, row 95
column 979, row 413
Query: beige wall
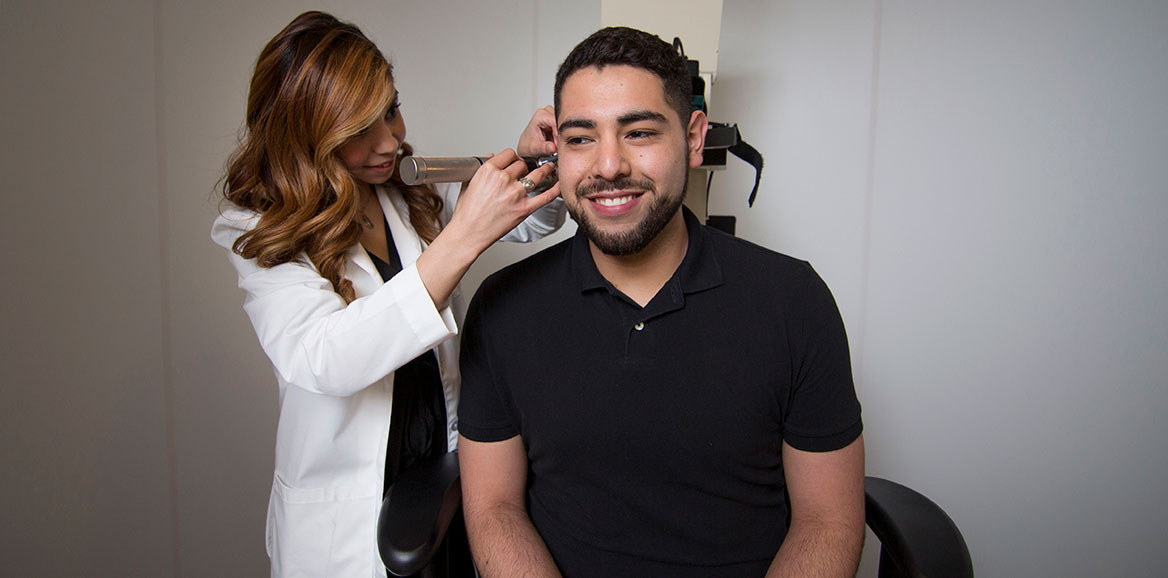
column 138, row 413
column 696, row 22
column 83, row 412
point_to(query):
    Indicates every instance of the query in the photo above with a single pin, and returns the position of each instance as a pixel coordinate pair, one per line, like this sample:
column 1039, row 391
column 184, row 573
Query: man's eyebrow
column 624, row 119
column 641, row 115
column 577, row 123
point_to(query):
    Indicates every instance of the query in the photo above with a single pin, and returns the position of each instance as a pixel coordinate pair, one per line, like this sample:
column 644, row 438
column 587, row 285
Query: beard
column 632, row 241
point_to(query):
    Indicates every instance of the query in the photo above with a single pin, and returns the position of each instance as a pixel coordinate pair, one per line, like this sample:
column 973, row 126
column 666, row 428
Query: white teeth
column 614, row 201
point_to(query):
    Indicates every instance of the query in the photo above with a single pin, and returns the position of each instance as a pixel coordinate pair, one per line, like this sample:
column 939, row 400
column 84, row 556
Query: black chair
column 420, row 530
column 917, row 538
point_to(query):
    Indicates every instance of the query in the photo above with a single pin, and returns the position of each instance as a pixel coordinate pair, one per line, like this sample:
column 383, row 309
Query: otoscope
column 422, row 170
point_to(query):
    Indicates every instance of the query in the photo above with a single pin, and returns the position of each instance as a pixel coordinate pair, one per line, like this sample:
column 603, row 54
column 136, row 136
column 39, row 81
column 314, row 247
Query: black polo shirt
column 653, row 434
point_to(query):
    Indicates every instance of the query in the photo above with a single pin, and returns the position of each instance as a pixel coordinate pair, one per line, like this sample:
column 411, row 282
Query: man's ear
column 696, row 137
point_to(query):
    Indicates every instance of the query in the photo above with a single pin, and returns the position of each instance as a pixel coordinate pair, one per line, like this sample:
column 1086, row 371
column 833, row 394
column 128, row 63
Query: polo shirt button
column 639, row 326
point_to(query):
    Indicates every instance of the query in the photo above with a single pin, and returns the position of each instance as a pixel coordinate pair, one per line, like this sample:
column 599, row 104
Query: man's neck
column 641, row 275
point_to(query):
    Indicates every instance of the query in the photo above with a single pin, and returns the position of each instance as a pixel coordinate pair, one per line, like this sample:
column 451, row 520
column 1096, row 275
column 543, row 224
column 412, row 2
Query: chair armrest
column 916, row 536
column 416, row 512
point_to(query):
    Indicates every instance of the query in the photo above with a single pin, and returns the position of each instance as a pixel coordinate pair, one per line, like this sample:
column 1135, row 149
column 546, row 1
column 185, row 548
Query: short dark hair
column 632, row 47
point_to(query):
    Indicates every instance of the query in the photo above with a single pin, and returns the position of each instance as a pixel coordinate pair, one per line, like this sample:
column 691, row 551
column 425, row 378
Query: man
column 645, row 398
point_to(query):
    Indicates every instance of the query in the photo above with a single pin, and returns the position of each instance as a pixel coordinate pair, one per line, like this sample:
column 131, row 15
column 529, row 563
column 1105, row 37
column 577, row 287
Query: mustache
column 622, row 184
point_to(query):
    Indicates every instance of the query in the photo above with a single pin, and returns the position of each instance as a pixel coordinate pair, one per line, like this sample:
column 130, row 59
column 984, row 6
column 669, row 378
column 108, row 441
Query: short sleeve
column 483, row 416
column 823, row 412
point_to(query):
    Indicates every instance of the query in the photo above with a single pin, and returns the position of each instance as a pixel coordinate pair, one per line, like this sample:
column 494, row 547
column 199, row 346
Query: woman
column 349, row 276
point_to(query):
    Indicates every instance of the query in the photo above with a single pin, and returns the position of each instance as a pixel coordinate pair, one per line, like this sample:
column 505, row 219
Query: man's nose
column 611, row 161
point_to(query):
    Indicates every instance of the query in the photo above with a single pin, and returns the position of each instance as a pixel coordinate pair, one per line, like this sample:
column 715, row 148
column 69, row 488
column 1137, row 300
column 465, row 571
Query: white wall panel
column 138, row 412
column 1009, row 335
column 796, row 78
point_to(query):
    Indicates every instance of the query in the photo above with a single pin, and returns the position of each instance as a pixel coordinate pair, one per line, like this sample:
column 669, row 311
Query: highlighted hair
column 317, row 83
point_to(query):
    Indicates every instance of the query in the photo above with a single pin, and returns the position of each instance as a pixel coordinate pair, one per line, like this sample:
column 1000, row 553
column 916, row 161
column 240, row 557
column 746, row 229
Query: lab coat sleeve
column 313, row 338
column 546, row 220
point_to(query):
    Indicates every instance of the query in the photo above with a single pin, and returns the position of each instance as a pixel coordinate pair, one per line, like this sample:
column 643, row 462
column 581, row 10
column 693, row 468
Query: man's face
column 623, row 155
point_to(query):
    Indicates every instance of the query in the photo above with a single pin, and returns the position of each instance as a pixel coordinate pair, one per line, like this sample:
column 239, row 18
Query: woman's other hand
column 539, row 138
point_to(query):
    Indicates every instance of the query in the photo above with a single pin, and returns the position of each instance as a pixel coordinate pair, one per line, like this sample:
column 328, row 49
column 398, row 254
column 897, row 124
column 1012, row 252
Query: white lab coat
column 334, row 365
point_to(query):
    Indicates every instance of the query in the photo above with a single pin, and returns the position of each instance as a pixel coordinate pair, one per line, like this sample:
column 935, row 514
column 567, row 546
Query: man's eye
column 640, row 134
column 575, row 140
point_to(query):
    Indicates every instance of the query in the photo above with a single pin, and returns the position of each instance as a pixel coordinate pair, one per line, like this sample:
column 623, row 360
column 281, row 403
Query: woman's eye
column 390, row 116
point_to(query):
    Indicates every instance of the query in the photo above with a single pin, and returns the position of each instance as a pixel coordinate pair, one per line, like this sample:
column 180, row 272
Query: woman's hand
column 493, row 203
column 539, row 138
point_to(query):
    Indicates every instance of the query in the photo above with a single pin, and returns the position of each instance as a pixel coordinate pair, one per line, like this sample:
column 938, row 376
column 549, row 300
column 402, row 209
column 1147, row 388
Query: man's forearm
column 819, row 550
column 506, row 545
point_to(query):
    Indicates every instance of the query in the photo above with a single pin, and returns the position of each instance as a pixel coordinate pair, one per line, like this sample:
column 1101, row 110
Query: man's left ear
column 696, row 137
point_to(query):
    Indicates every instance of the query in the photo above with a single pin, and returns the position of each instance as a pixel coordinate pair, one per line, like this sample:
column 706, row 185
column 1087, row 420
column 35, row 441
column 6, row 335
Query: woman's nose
column 386, row 141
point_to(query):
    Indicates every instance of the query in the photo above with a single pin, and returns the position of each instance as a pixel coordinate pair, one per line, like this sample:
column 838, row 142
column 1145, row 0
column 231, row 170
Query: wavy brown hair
column 317, row 83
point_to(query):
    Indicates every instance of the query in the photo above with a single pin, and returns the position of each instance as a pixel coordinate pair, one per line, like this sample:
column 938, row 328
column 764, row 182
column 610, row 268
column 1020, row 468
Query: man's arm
column 494, row 500
column 827, row 513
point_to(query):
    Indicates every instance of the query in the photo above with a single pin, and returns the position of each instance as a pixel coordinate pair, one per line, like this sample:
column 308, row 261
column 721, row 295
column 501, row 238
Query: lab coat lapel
column 365, row 278
column 409, row 245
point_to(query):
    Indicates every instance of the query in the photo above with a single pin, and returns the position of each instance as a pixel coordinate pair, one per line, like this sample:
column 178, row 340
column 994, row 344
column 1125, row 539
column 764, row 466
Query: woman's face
column 370, row 155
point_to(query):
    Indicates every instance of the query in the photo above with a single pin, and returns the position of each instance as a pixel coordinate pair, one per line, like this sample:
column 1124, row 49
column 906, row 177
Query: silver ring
column 528, row 184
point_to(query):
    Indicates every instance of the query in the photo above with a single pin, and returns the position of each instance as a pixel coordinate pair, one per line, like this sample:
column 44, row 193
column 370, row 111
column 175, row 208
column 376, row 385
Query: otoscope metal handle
column 422, row 170
column 417, row 170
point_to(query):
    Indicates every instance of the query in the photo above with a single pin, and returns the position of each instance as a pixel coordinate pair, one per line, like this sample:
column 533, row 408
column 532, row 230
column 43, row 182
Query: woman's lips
column 386, row 166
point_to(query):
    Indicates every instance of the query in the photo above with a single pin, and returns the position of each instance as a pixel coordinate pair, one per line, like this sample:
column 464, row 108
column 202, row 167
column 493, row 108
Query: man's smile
column 614, row 201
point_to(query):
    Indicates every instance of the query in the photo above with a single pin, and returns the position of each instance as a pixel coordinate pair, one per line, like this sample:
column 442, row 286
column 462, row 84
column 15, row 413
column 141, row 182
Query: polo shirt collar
column 699, row 270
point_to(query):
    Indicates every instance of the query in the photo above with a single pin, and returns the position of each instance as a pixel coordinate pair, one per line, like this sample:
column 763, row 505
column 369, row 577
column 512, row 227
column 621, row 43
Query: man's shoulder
column 534, row 277
column 737, row 255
